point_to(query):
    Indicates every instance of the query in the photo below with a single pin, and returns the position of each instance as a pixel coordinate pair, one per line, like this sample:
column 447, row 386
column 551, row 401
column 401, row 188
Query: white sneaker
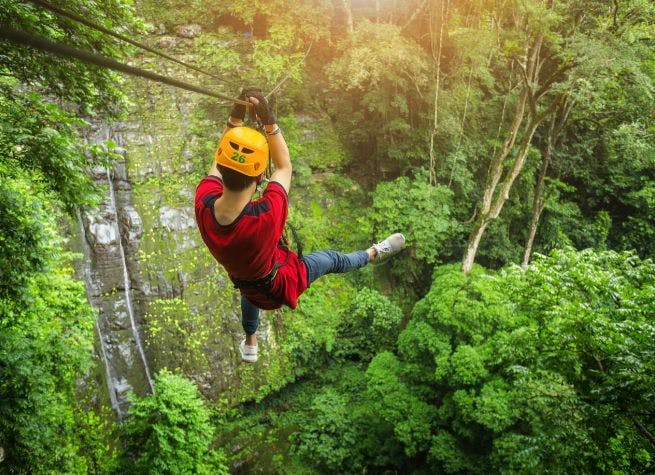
column 248, row 353
column 389, row 247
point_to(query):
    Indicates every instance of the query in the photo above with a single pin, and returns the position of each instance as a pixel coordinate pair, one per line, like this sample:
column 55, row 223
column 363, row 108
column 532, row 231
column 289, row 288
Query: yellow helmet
column 244, row 150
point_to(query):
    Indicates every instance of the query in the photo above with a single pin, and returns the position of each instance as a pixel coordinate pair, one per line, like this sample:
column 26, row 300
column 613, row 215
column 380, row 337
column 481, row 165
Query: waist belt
column 263, row 283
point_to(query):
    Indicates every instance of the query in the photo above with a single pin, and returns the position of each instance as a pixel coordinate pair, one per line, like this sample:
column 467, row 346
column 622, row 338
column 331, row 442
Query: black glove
column 239, row 110
column 263, row 109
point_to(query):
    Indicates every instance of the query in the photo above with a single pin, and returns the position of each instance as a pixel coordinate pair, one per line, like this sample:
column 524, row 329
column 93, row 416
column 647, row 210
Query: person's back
column 249, row 247
column 245, row 235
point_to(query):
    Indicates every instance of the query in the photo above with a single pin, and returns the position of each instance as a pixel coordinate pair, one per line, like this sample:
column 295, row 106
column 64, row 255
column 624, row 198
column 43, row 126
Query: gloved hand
column 239, row 110
column 262, row 108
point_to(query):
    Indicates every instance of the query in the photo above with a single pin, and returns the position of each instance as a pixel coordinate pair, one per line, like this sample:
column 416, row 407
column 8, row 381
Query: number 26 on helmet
column 244, row 150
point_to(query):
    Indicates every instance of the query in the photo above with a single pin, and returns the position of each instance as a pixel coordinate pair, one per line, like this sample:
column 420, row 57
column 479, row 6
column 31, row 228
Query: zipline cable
column 284, row 79
column 102, row 29
column 43, row 44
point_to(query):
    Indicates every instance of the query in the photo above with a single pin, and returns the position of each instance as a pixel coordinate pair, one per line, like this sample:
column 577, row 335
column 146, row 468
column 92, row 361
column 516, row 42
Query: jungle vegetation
column 513, row 142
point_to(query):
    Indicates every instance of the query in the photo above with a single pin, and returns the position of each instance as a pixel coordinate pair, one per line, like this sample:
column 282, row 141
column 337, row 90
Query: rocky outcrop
column 189, row 31
column 110, row 234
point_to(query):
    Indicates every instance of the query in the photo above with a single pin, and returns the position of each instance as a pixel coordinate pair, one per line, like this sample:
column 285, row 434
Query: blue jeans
column 318, row 264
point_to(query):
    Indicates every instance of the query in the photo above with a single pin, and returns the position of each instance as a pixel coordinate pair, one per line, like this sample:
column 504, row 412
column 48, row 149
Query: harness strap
column 262, row 284
column 297, row 240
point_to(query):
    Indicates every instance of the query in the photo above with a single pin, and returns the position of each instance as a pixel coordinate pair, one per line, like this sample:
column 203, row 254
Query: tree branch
column 470, row 220
column 644, row 431
column 415, row 14
column 553, row 77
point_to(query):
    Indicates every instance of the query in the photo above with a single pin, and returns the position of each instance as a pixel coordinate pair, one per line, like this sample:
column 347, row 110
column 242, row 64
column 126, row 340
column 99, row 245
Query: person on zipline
column 245, row 236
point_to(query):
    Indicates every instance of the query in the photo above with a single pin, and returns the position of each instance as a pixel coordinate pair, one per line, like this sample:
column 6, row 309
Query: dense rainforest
column 512, row 142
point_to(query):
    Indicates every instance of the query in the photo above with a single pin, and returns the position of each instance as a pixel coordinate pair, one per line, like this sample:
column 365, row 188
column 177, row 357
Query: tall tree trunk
column 463, row 121
column 539, row 201
column 461, row 130
column 435, row 115
column 492, row 202
column 349, row 16
column 493, row 205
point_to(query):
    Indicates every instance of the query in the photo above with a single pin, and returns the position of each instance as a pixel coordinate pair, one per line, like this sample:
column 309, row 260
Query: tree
column 423, row 213
column 328, row 436
column 44, row 102
column 369, row 325
column 553, row 135
column 556, row 43
column 436, row 49
column 548, row 369
column 420, row 210
column 523, row 48
column 596, row 143
column 170, row 431
column 376, row 84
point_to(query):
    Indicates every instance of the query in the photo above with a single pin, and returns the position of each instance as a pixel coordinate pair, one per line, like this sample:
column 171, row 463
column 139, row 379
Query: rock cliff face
column 110, row 235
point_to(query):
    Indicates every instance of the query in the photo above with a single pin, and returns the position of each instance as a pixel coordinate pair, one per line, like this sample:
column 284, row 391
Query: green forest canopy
column 486, row 131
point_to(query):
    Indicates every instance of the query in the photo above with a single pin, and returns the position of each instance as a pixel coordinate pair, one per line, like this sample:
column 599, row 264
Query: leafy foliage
column 90, row 88
column 329, row 435
column 21, row 231
column 170, row 431
column 421, row 211
column 46, row 335
column 42, row 138
column 338, row 428
column 375, row 77
column 527, row 367
column 371, row 324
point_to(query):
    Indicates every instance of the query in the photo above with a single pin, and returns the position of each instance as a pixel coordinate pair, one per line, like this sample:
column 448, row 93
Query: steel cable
column 102, row 29
column 60, row 49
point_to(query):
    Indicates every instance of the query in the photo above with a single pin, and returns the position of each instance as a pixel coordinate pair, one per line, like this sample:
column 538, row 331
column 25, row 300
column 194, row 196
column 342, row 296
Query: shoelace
column 382, row 247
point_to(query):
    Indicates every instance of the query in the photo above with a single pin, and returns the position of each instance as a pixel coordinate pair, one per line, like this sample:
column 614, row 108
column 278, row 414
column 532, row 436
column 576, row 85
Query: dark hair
column 235, row 181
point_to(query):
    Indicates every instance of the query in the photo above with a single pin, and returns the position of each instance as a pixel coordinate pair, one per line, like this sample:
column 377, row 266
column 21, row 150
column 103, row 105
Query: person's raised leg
column 330, row 262
column 320, row 263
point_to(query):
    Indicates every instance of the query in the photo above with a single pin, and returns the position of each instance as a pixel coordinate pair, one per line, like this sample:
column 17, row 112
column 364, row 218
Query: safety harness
column 264, row 284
